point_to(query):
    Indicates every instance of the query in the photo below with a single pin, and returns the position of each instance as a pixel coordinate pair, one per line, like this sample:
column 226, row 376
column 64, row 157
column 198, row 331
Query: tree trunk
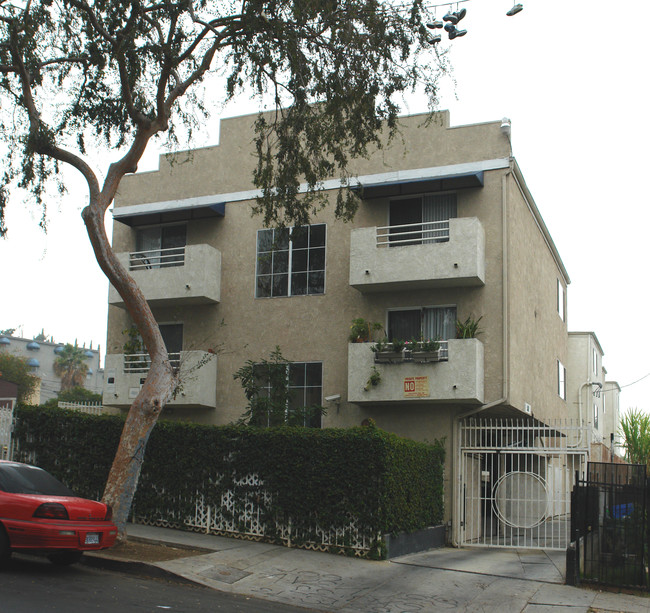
column 161, row 379
column 127, row 464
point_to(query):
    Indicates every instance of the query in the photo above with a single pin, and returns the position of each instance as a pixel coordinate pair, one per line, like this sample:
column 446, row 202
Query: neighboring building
column 593, row 398
column 447, row 230
column 40, row 356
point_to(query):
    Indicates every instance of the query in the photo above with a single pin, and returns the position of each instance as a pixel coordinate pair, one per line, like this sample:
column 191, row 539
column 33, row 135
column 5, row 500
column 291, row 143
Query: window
column 290, row 261
column 305, row 390
column 561, row 380
column 427, row 323
column 160, row 247
column 595, row 415
column 594, row 360
column 561, row 300
column 424, row 219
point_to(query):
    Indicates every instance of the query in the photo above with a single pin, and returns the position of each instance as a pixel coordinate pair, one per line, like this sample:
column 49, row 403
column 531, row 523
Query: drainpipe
column 457, row 499
column 580, row 422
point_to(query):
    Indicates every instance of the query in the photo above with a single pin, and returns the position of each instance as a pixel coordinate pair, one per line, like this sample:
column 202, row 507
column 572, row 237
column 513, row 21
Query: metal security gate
column 516, row 477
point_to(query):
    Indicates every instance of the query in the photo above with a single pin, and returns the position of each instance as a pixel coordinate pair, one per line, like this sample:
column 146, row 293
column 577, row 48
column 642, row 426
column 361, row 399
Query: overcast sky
column 571, row 76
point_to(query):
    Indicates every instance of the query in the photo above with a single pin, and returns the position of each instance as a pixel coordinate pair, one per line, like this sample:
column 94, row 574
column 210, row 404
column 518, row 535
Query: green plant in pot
column 427, row 350
column 468, row 328
column 362, row 331
column 389, row 352
column 373, row 380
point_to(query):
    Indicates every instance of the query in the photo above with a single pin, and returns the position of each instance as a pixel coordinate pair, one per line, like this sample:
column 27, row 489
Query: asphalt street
column 32, row 584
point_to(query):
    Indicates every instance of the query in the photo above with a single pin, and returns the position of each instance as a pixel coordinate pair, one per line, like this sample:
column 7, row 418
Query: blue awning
column 151, row 215
column 419, row 185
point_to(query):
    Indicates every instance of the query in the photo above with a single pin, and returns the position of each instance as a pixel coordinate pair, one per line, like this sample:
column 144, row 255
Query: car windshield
column 24, row 479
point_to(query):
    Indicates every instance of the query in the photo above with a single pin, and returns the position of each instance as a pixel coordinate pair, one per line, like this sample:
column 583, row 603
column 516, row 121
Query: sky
column 570, row 75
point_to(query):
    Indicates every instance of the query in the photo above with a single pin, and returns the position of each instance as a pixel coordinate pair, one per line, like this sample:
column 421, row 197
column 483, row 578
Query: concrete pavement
column 467, row 580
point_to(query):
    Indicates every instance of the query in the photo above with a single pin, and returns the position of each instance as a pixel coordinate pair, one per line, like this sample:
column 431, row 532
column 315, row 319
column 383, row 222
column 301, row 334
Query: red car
column 38, row 514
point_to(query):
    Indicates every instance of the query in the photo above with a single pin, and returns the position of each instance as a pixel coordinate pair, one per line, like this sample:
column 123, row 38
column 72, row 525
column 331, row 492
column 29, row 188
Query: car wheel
column 65, row 558
column 5, row 550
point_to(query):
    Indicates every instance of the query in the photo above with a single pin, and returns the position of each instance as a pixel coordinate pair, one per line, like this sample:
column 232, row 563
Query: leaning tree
column 87, row 80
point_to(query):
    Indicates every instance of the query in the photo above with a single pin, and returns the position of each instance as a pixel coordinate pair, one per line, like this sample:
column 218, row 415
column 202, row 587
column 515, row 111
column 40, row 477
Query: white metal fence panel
column 6, row 427
column 92, row 408
column 516, row 481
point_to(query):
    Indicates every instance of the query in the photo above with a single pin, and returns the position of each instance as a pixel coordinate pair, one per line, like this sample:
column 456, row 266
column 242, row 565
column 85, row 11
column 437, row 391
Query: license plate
column 92, row 538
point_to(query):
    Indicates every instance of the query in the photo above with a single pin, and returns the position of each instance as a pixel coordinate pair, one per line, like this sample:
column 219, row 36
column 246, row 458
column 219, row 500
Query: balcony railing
column 196, row 369
column 178, row 276
column 157, row 258
column 141, row 362
column 414, row 353
column 413, row 234
column 424, row 255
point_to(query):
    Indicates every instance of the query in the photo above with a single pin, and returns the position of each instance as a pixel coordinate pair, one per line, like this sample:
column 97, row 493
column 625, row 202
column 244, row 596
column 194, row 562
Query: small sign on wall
column 416, row 387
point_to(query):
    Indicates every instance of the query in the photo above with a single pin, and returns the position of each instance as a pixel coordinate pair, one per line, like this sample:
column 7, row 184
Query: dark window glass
column 293, row 252
column 23, row 479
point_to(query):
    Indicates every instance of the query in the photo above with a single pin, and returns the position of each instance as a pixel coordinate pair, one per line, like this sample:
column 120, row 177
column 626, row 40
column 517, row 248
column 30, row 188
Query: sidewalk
column 468, row 580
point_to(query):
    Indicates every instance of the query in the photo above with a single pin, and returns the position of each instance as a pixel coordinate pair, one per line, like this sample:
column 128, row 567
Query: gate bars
column 516, row 478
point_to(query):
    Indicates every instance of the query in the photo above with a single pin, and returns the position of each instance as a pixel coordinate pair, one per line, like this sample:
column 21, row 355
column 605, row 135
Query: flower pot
column 426, row 356
column 389, row 357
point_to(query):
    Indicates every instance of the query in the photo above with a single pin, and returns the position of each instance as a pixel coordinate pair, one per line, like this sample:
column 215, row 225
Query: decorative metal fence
column 244, row 513
column 610, row 525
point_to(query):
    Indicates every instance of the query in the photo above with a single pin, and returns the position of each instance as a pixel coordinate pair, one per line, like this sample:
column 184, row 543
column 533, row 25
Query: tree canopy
column 15, row 369
column 71, row 366
column 77, row 77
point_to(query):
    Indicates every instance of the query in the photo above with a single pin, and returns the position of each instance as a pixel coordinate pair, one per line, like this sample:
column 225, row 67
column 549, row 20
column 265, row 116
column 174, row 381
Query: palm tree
column 635, row 428
column 70, row 365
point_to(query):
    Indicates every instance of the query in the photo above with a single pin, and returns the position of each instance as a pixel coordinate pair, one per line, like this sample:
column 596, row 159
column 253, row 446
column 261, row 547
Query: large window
column 423, row 219
column 290, row 261
column 304, row 382
column 426, row 323
column 160, row 247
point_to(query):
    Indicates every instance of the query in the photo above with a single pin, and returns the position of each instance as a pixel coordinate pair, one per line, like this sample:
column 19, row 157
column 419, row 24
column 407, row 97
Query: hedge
column 311, row 479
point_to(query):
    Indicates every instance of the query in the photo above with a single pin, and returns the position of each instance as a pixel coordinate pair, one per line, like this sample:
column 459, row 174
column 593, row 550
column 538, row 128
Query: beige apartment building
column 447, row 231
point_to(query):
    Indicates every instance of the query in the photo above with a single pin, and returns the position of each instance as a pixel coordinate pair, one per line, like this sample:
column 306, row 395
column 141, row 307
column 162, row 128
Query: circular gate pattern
column 521, row 499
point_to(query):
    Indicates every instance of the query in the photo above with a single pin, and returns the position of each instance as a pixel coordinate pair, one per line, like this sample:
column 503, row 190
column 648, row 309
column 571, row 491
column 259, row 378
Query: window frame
column 290, row 273
column 265, row 387
column 561, row 300
column 421, row 310
column 561, row 380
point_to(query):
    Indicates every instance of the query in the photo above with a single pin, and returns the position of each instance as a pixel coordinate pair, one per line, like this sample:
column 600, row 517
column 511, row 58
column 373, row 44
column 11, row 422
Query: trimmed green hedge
column 311, row 478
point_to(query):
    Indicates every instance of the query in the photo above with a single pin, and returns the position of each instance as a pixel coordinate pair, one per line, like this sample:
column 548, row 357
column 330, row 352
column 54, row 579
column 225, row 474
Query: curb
column 133, row 567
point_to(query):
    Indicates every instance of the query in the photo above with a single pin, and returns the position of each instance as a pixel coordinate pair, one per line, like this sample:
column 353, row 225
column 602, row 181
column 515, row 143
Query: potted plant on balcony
column 362, row 331
column 427, row 350
column 468, row 328
column 389, row 352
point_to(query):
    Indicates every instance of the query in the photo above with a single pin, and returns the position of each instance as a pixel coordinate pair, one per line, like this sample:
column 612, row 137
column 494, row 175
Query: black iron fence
column 609, row 526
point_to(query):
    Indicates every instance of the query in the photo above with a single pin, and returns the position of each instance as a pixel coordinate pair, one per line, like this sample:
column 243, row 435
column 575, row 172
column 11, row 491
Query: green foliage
column 15, row 370
column 270, row 398
column 362, row 331
column 71, row 366
column 635, row 429
column 468, row 328
column 75, row 76
column 373, row 380
column 76, row 447
column 74, row 394
column 310, row 477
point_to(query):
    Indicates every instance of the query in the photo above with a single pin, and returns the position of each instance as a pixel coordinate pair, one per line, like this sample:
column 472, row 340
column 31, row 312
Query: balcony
column 457, row 377
column 187, row 275
column 418, row 256
column 125, row 374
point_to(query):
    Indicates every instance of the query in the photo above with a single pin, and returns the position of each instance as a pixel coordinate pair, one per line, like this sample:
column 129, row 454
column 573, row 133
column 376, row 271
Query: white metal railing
column 413, row 234
column 157, row 258
column 92, row 408
column 141, row 362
